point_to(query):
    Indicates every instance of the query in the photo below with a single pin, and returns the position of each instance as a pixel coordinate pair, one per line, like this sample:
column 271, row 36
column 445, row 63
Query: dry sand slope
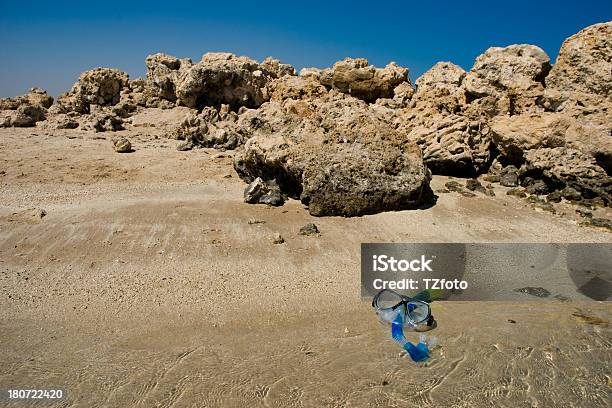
column 145, row 285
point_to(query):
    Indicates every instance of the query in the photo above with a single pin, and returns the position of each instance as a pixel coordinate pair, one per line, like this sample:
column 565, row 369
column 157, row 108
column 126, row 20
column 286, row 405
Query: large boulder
column 296, row 87
column 584, row 64
column 99, row 86
column 361, row 80
column 25, row 110
column 276, row 68
column 23, row 116
column 210, row 128
column 453, row 144
column 163, row 75
column 451, row 141
column 336, row 154
column 35, row 97
column 507, row 80
column 515, row 135
column 223, row 78
column 443, row 75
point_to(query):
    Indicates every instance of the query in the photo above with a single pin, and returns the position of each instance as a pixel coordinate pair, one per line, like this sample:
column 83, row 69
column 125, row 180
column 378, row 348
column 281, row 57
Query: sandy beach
column 148, row 282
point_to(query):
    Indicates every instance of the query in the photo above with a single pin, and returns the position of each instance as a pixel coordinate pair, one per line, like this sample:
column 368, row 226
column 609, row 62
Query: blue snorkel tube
column 418, row 353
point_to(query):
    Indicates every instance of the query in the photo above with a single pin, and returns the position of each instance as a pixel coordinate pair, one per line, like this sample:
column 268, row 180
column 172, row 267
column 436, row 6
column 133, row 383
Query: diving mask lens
column 386, row 299
column 417, row 312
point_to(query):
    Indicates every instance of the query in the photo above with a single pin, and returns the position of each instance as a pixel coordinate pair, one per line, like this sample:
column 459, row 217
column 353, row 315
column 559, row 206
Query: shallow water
column 549, row 357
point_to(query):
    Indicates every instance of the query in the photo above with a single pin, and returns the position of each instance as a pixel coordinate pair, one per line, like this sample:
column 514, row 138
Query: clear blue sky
column 48, row 43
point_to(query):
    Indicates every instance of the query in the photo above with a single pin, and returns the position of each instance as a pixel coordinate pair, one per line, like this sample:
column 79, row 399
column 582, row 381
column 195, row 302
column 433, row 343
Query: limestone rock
column 452, row 142
column 361, row 80
column 61, row 121
column 276, row 68
column 296, row 87
column 584, row 63
column 515, row 135
column 507, row 80
column 101, row 121
column 509, row 176
column 309, row 229
column 34, row 97
column 24, row 116
column 210, row 128
column 99, row 86
column 263, row 192
column 223, row 78
column 443, row 75
column 122, row 145
column 134, row 93
column 25, row 110
column 566, row 167
column 163, row 75
column 314, row 73
column 340, row 158
column 402, row 94
column 39, row 97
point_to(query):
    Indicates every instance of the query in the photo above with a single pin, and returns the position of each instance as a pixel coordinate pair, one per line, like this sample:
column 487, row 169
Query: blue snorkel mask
column 403, row 311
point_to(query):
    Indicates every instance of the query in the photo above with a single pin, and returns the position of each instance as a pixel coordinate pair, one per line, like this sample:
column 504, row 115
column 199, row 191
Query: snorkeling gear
column 401, row 311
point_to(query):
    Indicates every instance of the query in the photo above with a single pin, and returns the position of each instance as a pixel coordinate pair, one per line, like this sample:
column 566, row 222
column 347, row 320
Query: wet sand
column 145, row 285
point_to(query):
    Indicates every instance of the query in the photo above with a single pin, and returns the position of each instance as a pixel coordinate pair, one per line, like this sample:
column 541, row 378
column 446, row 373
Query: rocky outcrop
column 443, row 75
column 584, row 64
column 101, row 121
column 355, row 139
column 34, row 97
column 223, row 78
column 99, row 86
column 134, row 93
column 296, row 87
column 356, row 77
column 219, row 78
column 507, row 81
column 163, row 76
column 25, row 110
column 515, row 136
column 336, row 154
column 23, row 116
column 61, row 121
column 563, row 167
column 276, row 69
column 210, row 128
column 452, row 142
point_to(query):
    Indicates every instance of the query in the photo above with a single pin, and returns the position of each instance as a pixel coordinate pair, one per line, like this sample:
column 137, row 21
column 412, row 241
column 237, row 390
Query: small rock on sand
column 309, row 229
column 533, row 291
column 254, row 221
column 122, row 145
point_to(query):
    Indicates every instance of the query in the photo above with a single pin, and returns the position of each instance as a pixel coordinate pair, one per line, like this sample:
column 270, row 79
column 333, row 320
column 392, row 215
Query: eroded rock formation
column 355, row 139
column 25, row 110
column 336, row 154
